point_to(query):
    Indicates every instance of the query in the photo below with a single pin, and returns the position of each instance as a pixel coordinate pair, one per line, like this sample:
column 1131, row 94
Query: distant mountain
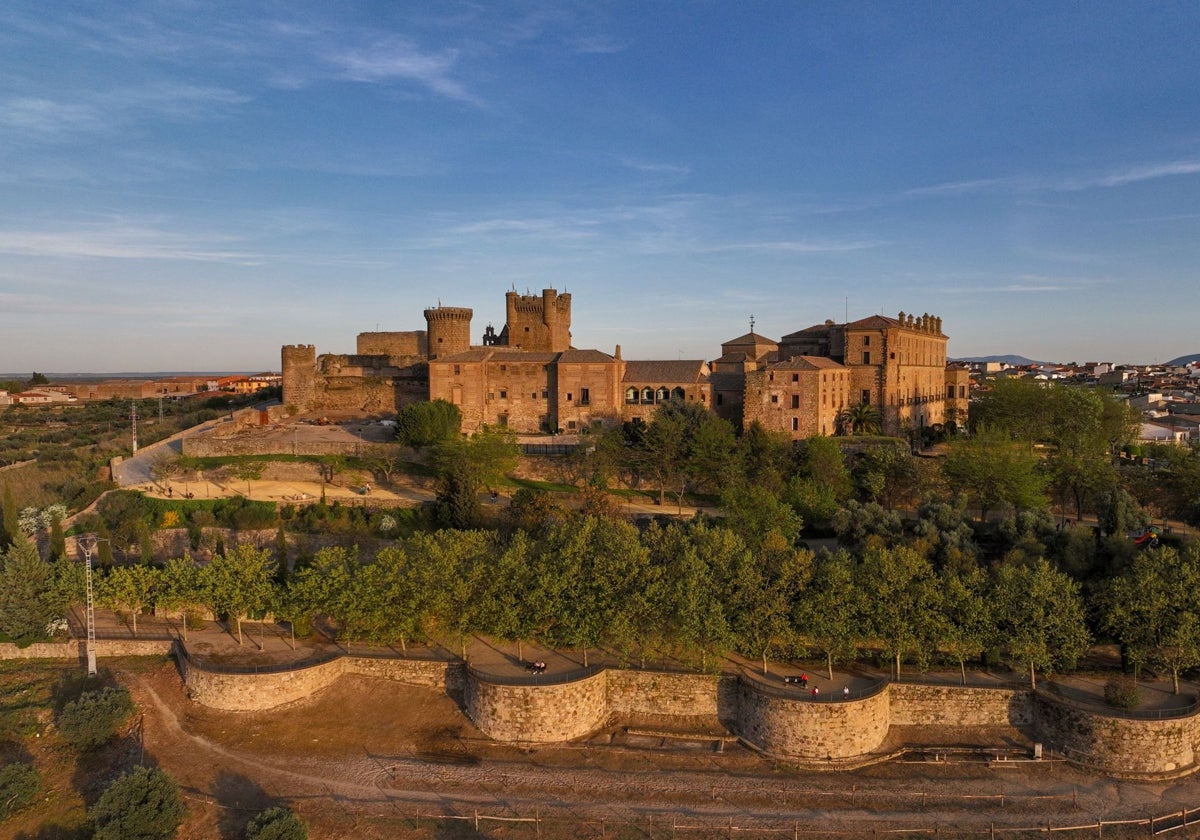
column 1008, row 360
column 1184, row 360
column 129, row 374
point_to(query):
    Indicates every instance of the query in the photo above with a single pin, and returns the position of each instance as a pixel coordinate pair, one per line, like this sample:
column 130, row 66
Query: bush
column 277, row 824
column 19, row 784
column 1122, row 693
column 93, row 719
column 144, row 804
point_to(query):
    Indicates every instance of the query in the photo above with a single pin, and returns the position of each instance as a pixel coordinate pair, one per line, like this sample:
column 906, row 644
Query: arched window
column 677, row 394
column 631, row 395
column 647, row 395
column 662, row 394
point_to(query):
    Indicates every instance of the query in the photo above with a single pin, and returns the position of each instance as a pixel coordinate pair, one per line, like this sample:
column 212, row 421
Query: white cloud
column 1131, row 174
column 398, row 58
column 118, row 242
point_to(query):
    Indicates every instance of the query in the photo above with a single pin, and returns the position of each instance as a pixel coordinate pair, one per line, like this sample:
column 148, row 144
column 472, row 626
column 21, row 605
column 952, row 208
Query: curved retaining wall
column 1119, row 746
column 538, row 714
column 955, row 705
column 797, row 727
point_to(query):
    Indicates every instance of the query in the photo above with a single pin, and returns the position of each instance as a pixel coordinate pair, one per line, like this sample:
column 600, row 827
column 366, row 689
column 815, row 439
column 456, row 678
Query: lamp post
column 88, row 543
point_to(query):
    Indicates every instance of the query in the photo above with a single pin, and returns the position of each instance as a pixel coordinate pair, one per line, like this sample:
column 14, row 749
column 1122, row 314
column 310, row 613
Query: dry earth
column 373, row 759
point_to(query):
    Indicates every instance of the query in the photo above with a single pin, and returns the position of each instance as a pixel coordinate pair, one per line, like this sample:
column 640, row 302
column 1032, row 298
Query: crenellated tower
column 542, row 324
column 449, row 330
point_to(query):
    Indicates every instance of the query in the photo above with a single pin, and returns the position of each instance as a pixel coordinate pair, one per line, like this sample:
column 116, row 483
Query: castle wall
column 299, row 367
column 950, row 705
column 73, row 649
column 449, row 330
column 394, row 345
column 538, row 323
column 587, row 394
column 662, row 693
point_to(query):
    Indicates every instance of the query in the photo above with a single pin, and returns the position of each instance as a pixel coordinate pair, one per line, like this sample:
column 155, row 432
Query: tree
column 143, row 804
column 248, row 471
column 277, row 823
column 58, row 540
column 182, row 589
column 860, row 419
column 771, row 586
column 1039, row 612
column 130, row 588
column 239, row 583
column 968, row 628
column 754, row 513
column 19, row 785
column 10, row 527
column 91, row 721
column 29, row 602
column 993, row 470
column 1152, row 611
column 385, row 459
column 830, row 613
column 903, row 601
column 425, row 424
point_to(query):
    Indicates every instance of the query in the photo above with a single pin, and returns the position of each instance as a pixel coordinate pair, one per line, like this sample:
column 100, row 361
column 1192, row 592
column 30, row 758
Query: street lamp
column 88, row 543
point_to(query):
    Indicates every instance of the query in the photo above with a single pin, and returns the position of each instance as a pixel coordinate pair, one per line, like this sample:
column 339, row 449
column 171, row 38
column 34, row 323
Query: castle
column 529, row 378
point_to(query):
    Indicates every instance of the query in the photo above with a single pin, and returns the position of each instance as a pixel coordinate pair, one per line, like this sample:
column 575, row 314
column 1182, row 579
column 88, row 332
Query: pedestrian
column 846, row 692
column 170, row 491
column 815, row 692
column 804, row 680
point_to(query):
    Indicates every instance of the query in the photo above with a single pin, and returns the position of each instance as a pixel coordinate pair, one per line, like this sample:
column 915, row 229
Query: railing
column 800, row 692
column 269, row 668
column 557, row 678
column 1055, row 695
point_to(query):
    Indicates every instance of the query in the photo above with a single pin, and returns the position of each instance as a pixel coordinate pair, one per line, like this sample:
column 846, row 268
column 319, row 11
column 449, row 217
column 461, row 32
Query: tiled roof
column 749, row 338
column 574, row 357
column 670, row 370
column 808, row 363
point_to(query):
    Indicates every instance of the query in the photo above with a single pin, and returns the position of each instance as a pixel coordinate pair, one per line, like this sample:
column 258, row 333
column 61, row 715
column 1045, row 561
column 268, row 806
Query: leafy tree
column 944, row 535
column 425, row 424
column 755, row 513
column 969, row 627
column 248, row 471
column 130, row 588
column 92, row 720
column 10, row 527
column 239, row 583
column 860, row 526
column 37, row 379
column 1118, row 513
column 29, row 602
column 58, row 540
column 143, row 804
column 993, row 470
column 771, row 586
column 385, row 459
column 182, row 589
column 903, row 601
column 1151, row 609
column 695, row 616
column 1040, row 614
column 830, row 614
column 277, row 823
column 766, row 457
column 19, row 785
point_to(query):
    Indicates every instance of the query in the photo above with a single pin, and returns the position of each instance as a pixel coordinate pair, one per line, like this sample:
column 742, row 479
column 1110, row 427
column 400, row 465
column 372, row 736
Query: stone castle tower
column 299, row 365
column 449, row 330
column 533, row 323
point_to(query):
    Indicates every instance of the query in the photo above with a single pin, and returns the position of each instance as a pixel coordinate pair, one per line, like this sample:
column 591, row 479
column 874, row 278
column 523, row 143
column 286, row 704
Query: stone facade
column 529, row 378
column 540, row 714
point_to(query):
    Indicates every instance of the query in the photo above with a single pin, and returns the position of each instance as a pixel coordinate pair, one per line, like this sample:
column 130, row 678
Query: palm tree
column 861, row 419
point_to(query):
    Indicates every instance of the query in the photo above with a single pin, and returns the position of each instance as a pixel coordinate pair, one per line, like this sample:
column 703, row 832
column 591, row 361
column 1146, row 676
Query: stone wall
column 1118, row 746
column 74, row 649
column 537, row 713
column 951, row 705
column 664, row 693
column 448, row 676
column 795, row 726
column 259, row 691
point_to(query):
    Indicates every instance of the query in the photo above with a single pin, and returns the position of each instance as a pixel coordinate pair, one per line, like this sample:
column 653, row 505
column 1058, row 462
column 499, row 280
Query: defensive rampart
column 778, row 720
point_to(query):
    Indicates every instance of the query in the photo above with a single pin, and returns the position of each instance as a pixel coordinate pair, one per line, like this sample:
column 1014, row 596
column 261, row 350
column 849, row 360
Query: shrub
column 1122, row 693
column 277, row 824
column 93, row 719
column 19, row 784
column 144, row 804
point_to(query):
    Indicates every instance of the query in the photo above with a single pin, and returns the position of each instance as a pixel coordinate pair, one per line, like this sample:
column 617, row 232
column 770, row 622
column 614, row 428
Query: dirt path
column 423, row 759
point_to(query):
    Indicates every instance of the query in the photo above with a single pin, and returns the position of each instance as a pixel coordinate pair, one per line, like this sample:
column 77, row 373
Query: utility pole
column 133, row 418
column 88, row 544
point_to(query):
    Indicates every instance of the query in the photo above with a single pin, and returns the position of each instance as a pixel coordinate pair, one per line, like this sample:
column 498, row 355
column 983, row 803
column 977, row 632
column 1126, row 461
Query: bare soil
column 372, row 759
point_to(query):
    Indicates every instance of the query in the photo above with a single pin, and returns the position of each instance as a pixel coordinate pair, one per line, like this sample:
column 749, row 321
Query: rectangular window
column 962, row 391
column 795, row 377
column 545, row 395
column 569, row 398
column 949, row 392
column 457, row 370
column 774, row 398
column 533, row 396
column 795, row 424
column 584, row 396
column 570, row 424
column 866, row 398
column 504, row 395
column 866, row 357
column 503, row 368
column 795, row 400
column 866, row 341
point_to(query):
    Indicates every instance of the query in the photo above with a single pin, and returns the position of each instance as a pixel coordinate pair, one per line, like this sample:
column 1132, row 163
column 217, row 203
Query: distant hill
column 1008, row 360
column 160, row 374
column 1184, row 360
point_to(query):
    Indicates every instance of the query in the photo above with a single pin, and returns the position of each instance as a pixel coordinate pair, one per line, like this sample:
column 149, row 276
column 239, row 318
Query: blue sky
column 188, row 185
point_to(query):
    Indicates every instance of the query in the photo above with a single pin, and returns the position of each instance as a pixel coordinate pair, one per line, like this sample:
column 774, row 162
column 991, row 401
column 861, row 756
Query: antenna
column 752, row 323
column 133, row 420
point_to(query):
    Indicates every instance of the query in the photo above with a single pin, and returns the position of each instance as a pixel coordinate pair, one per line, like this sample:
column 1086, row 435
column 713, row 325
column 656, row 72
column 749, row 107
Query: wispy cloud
column 119, row 241
column 1132, row 174
column 655, row 167
column 796, row 246
column 1026, row 284
column 92, row 113
column 399, row 58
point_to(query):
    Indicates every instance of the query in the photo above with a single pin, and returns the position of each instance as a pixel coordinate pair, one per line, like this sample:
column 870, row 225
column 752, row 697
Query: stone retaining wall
column 73, row 649
column 954, row 705
column 537, row 713
column 664, row 693
column 801, row 728
column 255, row 692
column 1119, row 746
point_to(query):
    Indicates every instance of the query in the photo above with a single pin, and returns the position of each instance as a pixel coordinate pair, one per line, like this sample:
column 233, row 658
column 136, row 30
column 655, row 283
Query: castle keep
column 529, row 378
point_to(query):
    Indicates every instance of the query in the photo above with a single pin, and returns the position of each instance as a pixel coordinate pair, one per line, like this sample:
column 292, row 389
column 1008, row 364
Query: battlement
column 449, row 313
column 925, row 323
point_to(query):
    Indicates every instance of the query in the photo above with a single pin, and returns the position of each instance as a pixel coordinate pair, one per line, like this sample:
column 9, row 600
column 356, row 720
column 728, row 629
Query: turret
column 449, row 330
